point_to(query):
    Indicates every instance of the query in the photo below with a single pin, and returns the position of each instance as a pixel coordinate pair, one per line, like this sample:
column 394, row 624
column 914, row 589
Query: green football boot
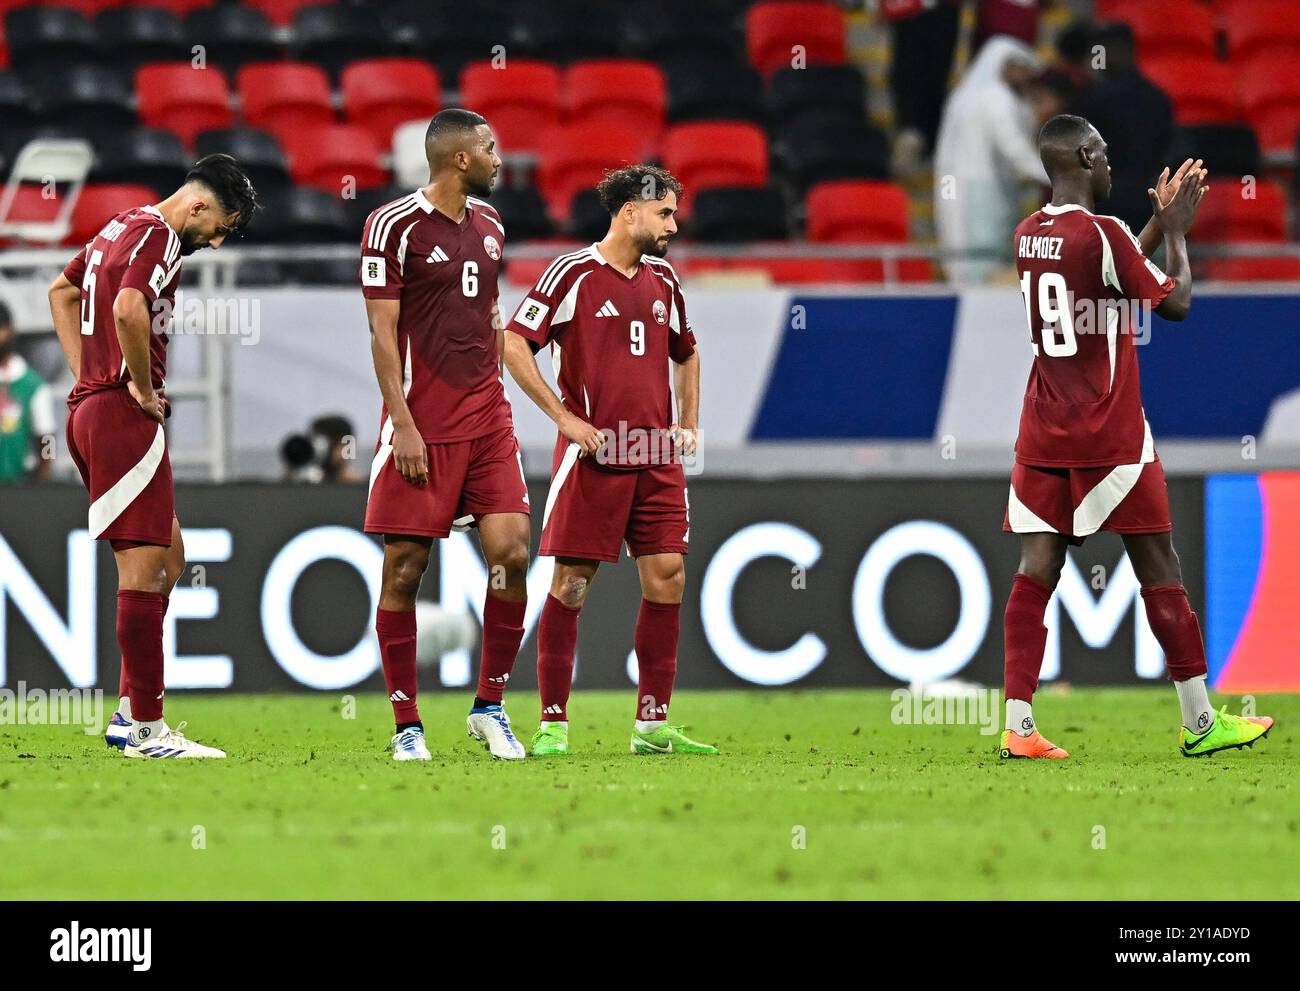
column 668, row 740
column 1226, row 732
column 550, row 741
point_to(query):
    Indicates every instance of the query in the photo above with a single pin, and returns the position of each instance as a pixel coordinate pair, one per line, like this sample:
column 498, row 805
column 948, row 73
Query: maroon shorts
column 467, row 479
column 591, row 511
column 1077, row 502
column 121, row 453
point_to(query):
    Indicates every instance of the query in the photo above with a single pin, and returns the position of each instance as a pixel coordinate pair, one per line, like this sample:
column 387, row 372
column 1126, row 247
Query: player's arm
column 523, row 369
column 1175, row 219
column 65, row 310
column 134, row 324
column 409, row 453
column 1166, row 186
column 686, row 385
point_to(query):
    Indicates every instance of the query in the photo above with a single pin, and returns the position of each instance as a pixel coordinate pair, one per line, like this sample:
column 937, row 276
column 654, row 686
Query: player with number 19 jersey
column 1085, row 460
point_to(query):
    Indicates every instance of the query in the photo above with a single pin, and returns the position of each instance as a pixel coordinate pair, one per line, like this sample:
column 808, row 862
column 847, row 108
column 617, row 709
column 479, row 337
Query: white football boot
column 409, row 745
column 491, row 727
column 169, row 743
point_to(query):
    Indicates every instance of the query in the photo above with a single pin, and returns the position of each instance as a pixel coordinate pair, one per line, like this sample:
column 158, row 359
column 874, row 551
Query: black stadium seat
column 16, row 105
column 232, row 36
column 259, row 152
column 813, row 146
column 42, row 39
column 566, row 30
column 817, row 87
column 588, row 220
column 332, row 35
column 301, row 215
column 132, row 36
column 738, row 215
column 367, row 201
column 1229, row 149
column 143, row 155
column 88, row 97
column 711, row 89
column 448, row 33
column 523, row 213
column 661, row 30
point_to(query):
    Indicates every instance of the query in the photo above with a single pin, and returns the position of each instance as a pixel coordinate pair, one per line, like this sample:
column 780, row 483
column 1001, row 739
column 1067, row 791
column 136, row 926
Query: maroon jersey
column 1084, row 279
column 135, row 250
column 611, row 338
column 445, row 275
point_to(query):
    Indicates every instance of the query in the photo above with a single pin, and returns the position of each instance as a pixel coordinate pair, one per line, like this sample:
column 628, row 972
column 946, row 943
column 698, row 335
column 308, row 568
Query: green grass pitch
column 817, row 794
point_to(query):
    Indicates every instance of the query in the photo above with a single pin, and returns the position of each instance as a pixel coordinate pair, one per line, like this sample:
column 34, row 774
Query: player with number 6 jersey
column 1085, row 460
column 112, row 308
column 447, row 457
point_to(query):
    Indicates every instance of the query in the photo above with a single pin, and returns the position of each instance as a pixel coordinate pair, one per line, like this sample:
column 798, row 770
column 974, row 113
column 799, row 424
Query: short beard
column 650, row 245
column 188, row 245
column 480, row 189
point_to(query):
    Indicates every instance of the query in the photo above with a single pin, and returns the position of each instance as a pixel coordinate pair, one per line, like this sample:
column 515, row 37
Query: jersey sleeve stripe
column 136, row 251
column 382, row 221
column 489, row 212
column 551, row 268
column 391, row 221
column 558, row 277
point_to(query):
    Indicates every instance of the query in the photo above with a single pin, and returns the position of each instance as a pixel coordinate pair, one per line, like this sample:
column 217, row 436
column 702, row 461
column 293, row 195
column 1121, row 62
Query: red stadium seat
column 1227, row 215
column 324, row 156
column 179, row 98
column 773, row 29
column 281, row 96
column 1170, row 27
column 710, row 154
column 1270, row 95
column 616, row 92
column 1264, row 27
column 521, row 100
column 382, row 94
column 98, row 204
column 1276, row 269
column 281, row 11
column 31, row 205
column 575, row 156
column 863, row 211
column 1203, row 91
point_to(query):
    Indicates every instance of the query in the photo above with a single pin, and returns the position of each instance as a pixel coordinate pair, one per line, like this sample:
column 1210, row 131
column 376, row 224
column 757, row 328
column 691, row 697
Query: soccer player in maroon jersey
column 447, row 455
column 1085, row 460
column 112, row 308
column 614, row 316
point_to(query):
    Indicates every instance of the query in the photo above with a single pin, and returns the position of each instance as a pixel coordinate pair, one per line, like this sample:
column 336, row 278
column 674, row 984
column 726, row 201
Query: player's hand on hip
column 684, row 438
column 588, row 438
column 153, row 404
column 410, row 455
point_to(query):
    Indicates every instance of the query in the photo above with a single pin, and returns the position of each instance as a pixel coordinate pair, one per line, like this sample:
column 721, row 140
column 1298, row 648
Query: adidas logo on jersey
column 437, row 254
column 607, row 310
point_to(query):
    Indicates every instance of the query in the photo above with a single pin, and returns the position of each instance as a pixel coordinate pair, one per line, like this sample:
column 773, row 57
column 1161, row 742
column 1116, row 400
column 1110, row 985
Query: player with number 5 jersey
column 447, row 457
column 1085, row 460
column 112, row 310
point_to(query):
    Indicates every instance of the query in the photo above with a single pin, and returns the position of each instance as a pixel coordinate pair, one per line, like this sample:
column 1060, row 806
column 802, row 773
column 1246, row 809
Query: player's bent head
column 461, row 142
column 221, row 202
column 642, row 205
column 1070, row 147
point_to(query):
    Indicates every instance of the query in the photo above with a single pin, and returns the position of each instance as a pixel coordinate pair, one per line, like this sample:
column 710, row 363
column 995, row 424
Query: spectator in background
column 923, row 37
column 1013, row 18
column 1074, row 53
column 987, row 153
column 335, row 445
column 26, row 411
column 1136, row 119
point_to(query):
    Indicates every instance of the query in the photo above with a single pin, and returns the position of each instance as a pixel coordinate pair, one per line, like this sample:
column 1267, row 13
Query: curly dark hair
column 635, row 182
